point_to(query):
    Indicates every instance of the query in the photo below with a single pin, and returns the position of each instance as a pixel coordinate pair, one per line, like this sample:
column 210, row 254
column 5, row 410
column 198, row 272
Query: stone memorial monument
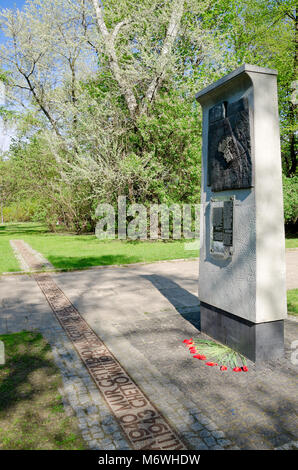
column 242, row 286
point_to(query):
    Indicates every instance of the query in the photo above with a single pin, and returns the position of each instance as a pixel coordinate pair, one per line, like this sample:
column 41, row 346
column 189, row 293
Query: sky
column 6, row 134
column 11, row 3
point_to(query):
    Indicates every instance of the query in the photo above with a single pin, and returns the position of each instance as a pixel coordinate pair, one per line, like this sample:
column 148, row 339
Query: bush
column 23, row 211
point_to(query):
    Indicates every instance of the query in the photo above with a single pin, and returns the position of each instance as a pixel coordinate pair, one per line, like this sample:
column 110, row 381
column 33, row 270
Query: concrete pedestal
column 256, row 341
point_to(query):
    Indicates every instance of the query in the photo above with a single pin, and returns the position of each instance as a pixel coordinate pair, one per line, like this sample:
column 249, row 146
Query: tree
column 94, row 118
column 265, row 33
column 107, row 90
column 7, row 185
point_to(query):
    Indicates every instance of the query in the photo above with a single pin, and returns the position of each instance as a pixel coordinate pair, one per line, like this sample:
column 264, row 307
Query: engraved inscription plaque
column 229, row 146
column 218, row 224
column 228, row 223
column 221, row 244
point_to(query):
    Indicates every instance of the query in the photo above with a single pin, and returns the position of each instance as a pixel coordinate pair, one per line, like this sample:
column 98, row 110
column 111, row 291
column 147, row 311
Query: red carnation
column 237, row 369
column 200, row 356
column 211, row 364
column 244, row 368
column 188, row 341
column 223, row 367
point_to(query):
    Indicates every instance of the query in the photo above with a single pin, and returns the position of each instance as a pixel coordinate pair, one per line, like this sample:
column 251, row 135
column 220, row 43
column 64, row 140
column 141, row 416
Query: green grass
column 69, row 251
column 8, row 262
column 292, row 243
column 292, row 296
column 32, row 415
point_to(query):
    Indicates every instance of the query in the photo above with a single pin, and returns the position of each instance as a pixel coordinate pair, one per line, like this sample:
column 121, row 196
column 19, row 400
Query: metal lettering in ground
column 142, row 424
column 229, row 146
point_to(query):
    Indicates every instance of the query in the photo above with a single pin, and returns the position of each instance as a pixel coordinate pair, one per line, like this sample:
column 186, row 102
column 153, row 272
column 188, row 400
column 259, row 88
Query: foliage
column 290, row 193
column 292, row 296
column 24, row 211
column 265, row 33
column 40, row 189
column 220, row 353
column 101, row 95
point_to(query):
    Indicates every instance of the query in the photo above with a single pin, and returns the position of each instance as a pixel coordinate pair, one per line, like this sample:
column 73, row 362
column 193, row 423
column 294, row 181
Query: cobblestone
column 293, row 445
column 197, row 444
column 210, row 441
column 93, row 444
column 218, row 434
column 224, row 442
column 196, row 426
column 205, row 433
column 211, row 426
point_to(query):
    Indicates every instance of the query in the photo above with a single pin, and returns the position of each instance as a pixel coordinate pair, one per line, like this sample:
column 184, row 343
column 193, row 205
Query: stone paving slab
column 292, row 268
column 142, row 313
column 22, row 305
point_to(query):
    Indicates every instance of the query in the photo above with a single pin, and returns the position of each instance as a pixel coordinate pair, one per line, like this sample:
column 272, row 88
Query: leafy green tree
column 107, row 90
column 290, row 186
column 265, row 33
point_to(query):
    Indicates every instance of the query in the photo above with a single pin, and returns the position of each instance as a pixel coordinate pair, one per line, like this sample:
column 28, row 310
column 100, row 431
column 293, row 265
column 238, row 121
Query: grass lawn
column 8, row 261
column 292, row 296
column 31, row 410
column 67, row 251
column 291, row 241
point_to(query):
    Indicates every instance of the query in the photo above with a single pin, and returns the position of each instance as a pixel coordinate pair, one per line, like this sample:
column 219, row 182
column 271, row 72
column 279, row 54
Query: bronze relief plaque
column 229, row 146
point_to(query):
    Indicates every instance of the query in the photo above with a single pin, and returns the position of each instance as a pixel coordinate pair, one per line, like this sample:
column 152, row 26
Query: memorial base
column 256, row 341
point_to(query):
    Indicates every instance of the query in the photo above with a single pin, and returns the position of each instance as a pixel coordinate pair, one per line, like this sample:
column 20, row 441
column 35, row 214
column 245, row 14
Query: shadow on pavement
column 186, row 304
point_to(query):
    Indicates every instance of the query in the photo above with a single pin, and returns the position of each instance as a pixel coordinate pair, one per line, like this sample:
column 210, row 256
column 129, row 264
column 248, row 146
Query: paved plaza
column 141, row 314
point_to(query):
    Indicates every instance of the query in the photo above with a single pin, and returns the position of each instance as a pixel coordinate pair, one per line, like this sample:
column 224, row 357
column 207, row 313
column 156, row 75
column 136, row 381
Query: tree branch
column 108, row 40
column 117, row 29
column 167, row 47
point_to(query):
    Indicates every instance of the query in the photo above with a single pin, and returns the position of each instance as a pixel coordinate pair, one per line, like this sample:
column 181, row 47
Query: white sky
column 6, row 135
column 6, row 132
